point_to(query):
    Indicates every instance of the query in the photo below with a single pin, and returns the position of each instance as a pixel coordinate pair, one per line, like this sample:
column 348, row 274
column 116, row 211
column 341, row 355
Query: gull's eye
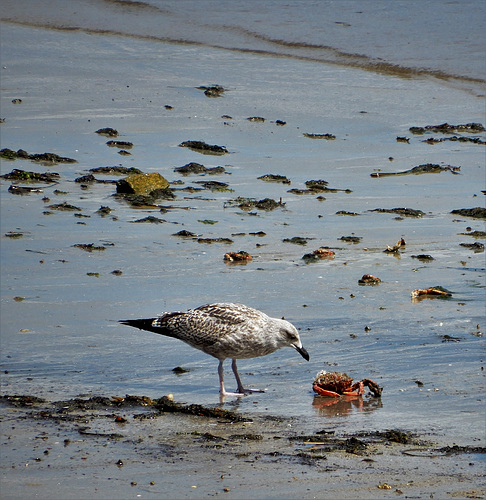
column 291, row 336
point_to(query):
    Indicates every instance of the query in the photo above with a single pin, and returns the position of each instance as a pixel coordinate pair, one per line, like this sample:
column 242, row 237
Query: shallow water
column 443, row 39
column 63, row 339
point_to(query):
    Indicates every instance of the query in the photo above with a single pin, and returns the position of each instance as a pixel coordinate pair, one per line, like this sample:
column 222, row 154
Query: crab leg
column 358, row 385
column 323, row 392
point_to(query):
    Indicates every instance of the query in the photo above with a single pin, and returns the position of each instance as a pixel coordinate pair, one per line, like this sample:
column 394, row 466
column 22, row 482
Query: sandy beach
column 332, row 140
column 124, row 449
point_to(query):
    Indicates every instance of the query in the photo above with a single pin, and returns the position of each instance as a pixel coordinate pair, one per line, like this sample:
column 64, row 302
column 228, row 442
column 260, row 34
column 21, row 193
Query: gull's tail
column 148, row 324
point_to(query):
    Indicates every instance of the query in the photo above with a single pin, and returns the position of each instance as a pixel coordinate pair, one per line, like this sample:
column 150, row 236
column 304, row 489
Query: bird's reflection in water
column 345, row 405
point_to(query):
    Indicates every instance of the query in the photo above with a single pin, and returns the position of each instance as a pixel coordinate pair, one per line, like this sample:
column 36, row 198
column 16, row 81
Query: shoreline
column 123, row 442
column 348, row 35
column 61, row 299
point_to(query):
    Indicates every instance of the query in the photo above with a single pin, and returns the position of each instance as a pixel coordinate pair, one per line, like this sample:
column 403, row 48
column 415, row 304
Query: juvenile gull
column 226, row 330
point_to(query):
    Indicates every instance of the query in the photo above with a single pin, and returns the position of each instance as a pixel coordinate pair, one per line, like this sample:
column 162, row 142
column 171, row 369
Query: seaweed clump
column 25, row 175
column 202, row 147
column 445, row 128
column 477, row 212
column 9, row 154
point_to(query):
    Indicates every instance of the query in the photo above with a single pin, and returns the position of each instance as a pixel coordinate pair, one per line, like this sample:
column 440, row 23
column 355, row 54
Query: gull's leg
column 237, row 377
column 241, row 389
column 221, row 382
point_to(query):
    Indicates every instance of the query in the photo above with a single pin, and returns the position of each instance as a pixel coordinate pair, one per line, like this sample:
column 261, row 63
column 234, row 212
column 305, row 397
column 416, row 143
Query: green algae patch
column 142, row 183
column 26, row 175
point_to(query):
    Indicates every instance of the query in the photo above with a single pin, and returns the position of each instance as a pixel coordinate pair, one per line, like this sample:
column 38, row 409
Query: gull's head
column 290, row 337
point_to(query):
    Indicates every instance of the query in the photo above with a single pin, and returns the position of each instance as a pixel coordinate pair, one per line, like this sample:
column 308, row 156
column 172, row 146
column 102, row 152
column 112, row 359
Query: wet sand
column 95, row 448
column 68, row 276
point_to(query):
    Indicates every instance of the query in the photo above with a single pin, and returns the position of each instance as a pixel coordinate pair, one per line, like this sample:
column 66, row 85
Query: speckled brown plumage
column 226, row 330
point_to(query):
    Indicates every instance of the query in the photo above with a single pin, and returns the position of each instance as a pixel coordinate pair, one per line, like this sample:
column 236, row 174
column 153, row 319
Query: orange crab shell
column 237, row 256
column 333, row 384
column 337, row 384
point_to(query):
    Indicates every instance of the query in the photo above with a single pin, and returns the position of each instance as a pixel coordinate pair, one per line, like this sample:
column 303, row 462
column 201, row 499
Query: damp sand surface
column 137, row 448
column 68, row 276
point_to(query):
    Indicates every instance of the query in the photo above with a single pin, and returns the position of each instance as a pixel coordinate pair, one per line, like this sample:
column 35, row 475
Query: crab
column 337, row 384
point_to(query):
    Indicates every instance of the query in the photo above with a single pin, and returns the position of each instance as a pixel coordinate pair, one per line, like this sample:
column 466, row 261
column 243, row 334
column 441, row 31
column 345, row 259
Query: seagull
column 226, row 330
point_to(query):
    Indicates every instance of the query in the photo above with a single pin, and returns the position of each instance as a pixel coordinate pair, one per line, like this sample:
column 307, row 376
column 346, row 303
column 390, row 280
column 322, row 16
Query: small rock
column 150, row 219
column 329, row 137
column 103, row 211
column 109, row 132
column 423, row 257
column 89, row 247
column 369, row 279
column 120, row 144
column 477, row 212
column 212, row 91
column 351, row 239
column 24, row 175
column 117, row 170
column 184, row 234
column 344, row 212
column 85, row 178
column 191, row 168
column 296, row 240
column 202, row 147
column 407, row 212
column 274, row 178
column 178, row 370
column 476, row 246
column 64, row 207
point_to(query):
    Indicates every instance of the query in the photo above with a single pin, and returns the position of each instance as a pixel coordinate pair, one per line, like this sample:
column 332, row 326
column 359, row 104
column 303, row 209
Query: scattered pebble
column 369, row 279
column 109, row 132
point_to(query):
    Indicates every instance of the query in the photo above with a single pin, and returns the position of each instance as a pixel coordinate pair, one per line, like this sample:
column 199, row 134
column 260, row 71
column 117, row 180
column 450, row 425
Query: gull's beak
column 302, row 352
